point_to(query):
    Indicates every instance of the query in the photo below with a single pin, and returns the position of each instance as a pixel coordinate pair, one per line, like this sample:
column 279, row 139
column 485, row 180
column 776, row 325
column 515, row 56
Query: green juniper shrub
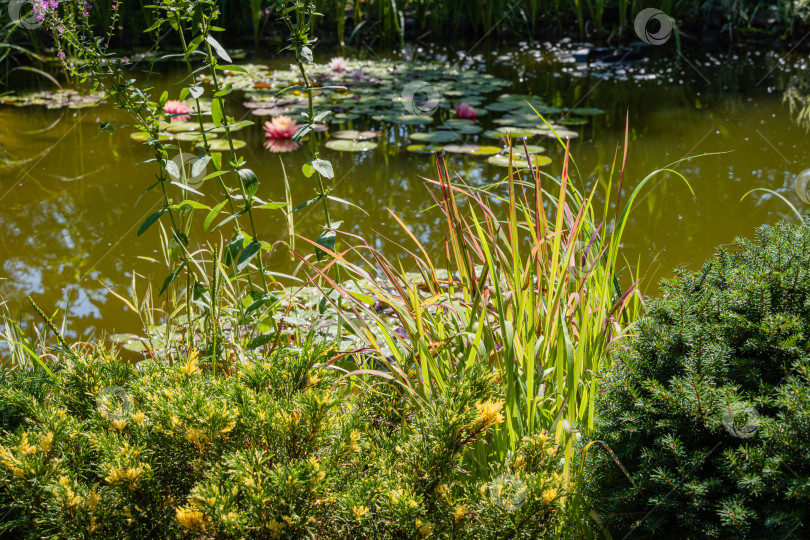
column 278, row 448
column 708, row 405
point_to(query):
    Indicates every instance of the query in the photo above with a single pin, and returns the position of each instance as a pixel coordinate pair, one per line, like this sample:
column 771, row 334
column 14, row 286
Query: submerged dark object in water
column 606, row 55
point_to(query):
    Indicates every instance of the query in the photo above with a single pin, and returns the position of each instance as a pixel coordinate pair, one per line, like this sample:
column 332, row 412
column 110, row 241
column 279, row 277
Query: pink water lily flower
column 177, row 107
column 465, row 111
column 338, row 64
column 280, row 127
column 278, row 146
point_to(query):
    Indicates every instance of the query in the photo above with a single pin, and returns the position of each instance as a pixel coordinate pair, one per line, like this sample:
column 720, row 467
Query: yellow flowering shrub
column 278, row 448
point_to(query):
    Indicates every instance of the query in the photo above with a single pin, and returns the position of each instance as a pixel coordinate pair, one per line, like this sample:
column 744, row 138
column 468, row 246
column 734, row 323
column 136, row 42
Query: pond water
column 70, row 208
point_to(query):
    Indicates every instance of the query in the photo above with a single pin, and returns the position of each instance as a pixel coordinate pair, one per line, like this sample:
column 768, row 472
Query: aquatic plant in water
column 465, row 111
column 280, row 127
column 178, row 110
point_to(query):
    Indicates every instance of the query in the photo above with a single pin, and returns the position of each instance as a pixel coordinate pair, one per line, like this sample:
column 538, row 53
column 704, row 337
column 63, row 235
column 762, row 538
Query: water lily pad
column 179, row 127
column 570, row 121
column 343, row 145
column 533, row 149
column 462, row 130
column 352, row 134
column 517, row 131
column 456, row 122
column 221, row 145
column 587, row 111
column 269, row 111
column 411, row 119
column 424, row 148
column 503, row 106
column 473, row 149
column 503, row 161
column 194, row 136
column 435, row 136
column 142, row 136
column 514, row 133
column 346, row 116
column 563, row 134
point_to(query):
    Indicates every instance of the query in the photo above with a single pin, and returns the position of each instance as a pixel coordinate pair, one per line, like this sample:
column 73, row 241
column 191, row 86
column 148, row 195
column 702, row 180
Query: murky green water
column 68, row 212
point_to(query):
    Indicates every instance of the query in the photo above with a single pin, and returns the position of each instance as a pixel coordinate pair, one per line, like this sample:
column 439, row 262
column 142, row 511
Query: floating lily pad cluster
column 54, row 99
column 422, row 96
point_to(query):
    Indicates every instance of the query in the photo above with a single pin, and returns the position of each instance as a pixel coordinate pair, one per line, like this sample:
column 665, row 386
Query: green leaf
column 307, row 203
column 184, row 93
column 195, row 43
column 171, row 277
column 172, row 169
column 193, row 204
column 247, row 255
column 258, row 341
column 233, row 248
column 242, row 124
column 327, row 240
column 321, row 115
column 150, row 220
column 213, row 214
column 323, row 167
column 229, row 218
column 250, row 181
column 218, row 49
column 216, row 157
column 185, row 187
column 199, row 165
column 303, row 130
column 271, row 206
column 308, row 169
column 232, row 67
column 225, row 91
column 216, row 112
column 164, row 97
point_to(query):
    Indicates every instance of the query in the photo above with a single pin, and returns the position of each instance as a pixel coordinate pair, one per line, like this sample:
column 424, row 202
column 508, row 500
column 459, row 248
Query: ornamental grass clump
column 281, row 447
column 708, row 408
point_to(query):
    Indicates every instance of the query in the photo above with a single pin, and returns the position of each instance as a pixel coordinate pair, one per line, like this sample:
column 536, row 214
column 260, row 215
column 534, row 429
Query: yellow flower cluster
column 489, row 413
column 354, row 442
column 425, row 529
column 191, row 518
column 359, row 511
column 130, row 475
column 191, row 367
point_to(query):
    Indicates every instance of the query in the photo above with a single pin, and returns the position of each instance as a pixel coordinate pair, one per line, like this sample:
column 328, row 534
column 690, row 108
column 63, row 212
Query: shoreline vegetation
column 511, row 381
column 386, row 23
